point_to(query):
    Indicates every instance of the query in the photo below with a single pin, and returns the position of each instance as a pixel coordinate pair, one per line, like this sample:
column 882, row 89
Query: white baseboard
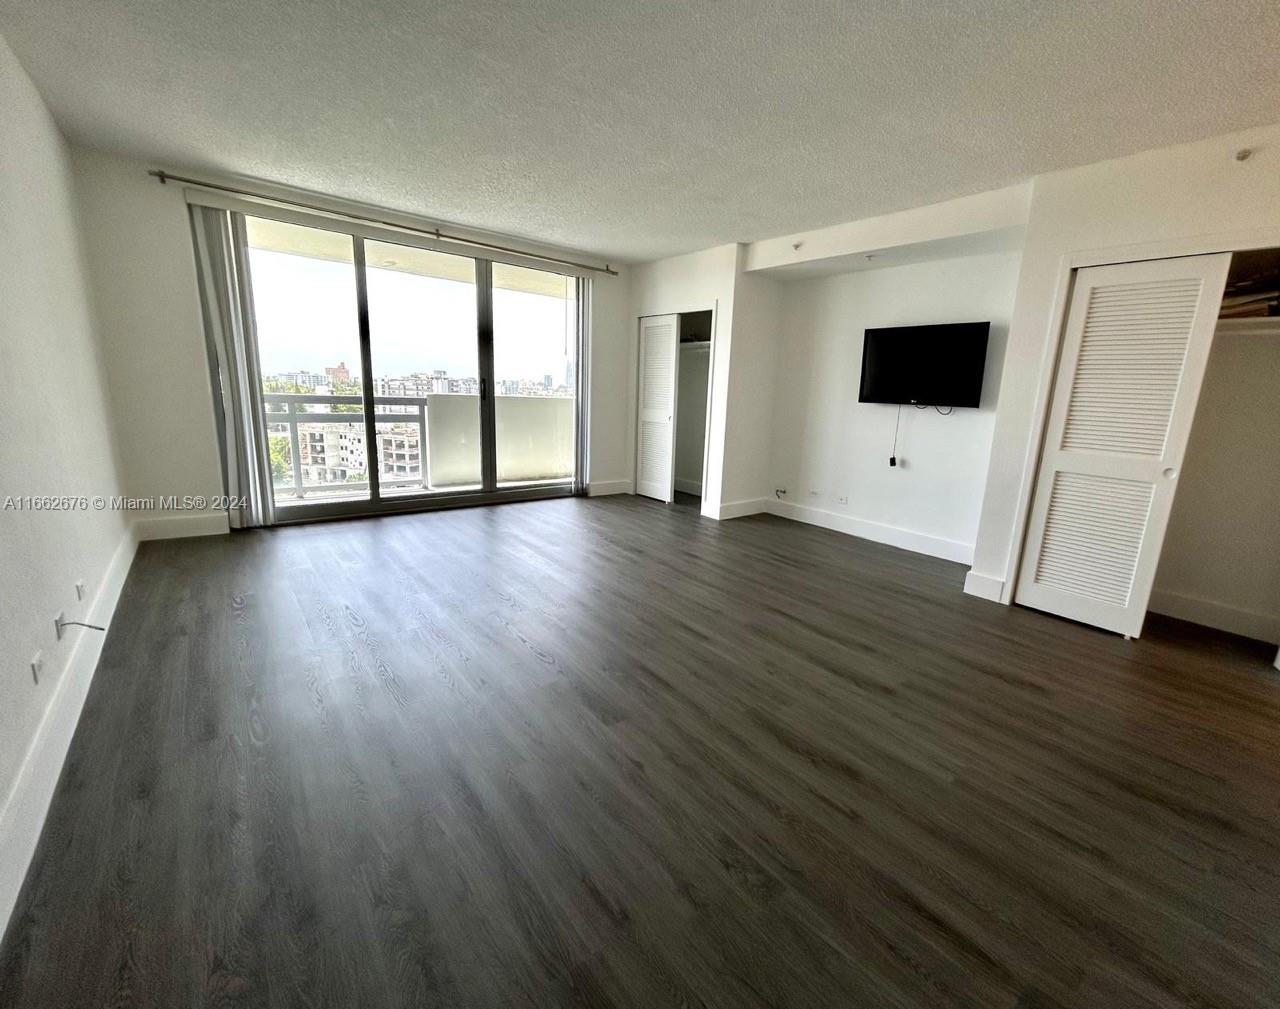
column 23, row 814
column 984, row 586
column 1250, row 623
column 689, row 486
column 600, row 488
column 738, row 509
column 168, row 527
column 879, row 532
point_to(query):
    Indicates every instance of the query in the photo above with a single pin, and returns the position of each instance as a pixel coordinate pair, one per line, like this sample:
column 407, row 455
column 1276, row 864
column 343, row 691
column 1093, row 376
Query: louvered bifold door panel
column 1133, row 354
column 1092, row 535
column 655, row 435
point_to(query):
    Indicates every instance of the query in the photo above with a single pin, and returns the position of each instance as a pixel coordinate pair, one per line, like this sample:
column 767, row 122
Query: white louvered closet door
column 1133, row 356
column 656, row 430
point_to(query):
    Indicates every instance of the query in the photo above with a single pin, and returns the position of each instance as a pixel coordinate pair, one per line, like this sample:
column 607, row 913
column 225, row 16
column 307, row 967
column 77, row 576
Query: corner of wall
column 736, row 509
column 603, row 488
column 984, row 586
column 168, row 527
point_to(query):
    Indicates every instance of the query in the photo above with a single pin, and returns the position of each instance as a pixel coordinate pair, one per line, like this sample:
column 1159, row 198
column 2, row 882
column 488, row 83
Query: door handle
column 1170, row 472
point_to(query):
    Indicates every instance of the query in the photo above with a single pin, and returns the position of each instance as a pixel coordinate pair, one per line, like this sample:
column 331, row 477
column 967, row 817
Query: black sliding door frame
column 488, row 391
column 366, row 374
column 489, row 492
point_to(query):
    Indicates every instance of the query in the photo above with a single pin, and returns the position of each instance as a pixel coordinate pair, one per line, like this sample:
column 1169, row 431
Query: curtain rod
column 435, row 233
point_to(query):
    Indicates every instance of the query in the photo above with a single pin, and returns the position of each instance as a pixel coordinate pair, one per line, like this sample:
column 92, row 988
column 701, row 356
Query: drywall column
column 752, row 364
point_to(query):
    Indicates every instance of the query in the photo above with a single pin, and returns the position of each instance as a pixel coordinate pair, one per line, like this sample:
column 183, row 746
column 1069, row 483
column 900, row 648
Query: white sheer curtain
column 226, row 304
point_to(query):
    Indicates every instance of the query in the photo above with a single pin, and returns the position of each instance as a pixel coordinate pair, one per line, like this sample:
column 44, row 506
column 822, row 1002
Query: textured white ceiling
column 633, row 129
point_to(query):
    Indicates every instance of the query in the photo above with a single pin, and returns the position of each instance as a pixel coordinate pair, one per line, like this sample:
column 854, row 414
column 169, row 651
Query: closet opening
column 693, row 383
column 1219, row 565
column 673, row 404
column 1160, row 467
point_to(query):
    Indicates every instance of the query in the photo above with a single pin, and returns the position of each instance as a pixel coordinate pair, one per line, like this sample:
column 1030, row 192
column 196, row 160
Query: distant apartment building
column 410, row 386
column 335, row 453
column 302, row 379
column 529, row 387
column 421, row 384
column 401, row 453
column 332, row 453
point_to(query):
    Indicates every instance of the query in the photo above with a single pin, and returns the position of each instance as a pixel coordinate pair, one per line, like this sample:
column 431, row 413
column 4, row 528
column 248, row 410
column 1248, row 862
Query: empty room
column 634, row 505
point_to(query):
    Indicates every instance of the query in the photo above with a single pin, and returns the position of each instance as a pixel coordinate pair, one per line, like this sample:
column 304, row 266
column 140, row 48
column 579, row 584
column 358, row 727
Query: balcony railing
column 319, row 450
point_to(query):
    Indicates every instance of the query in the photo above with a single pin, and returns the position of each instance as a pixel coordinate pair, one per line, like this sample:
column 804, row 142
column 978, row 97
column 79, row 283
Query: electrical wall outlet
column 814, row 492
column 842, row 499
column 80, row 590
column 37, row 664
column 58, row 629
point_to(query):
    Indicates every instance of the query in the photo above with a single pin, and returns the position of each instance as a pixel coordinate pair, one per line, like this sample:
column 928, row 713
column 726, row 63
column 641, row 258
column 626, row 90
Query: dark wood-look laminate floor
column 607, row 753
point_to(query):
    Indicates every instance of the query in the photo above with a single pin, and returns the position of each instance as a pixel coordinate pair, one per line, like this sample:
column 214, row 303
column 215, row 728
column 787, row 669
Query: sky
column 305, row 310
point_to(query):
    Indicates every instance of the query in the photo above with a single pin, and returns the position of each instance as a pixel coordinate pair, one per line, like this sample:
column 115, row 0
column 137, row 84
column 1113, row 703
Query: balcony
column 318, row 452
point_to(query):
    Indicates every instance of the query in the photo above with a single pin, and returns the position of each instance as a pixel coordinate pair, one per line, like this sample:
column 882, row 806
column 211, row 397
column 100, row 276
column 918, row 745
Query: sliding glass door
column 426, row 369
column 535, row 353
column 306, row 315
column 395, row 376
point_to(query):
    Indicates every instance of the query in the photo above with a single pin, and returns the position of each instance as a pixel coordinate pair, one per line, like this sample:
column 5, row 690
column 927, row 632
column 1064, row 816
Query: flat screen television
column 926, row 365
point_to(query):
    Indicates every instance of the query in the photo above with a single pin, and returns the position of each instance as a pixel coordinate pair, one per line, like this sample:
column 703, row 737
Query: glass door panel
column 535, row 343
column 426, row 373
column 307, row 324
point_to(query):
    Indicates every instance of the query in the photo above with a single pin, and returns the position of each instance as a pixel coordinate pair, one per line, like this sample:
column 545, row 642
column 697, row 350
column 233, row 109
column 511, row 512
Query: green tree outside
column 346, row 389
column 271, row 385
column 281, row 465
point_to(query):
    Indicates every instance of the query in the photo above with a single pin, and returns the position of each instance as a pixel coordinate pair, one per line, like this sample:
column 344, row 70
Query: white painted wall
column 1191, row 198
column 691, row 415
column 752, row 359
column 58, row 440
column 825, row 440
column 609, row 407
column 138, row 241
column 1220, row 564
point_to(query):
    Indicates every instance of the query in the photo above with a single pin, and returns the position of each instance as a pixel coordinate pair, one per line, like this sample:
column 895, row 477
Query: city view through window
column 425, row 366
